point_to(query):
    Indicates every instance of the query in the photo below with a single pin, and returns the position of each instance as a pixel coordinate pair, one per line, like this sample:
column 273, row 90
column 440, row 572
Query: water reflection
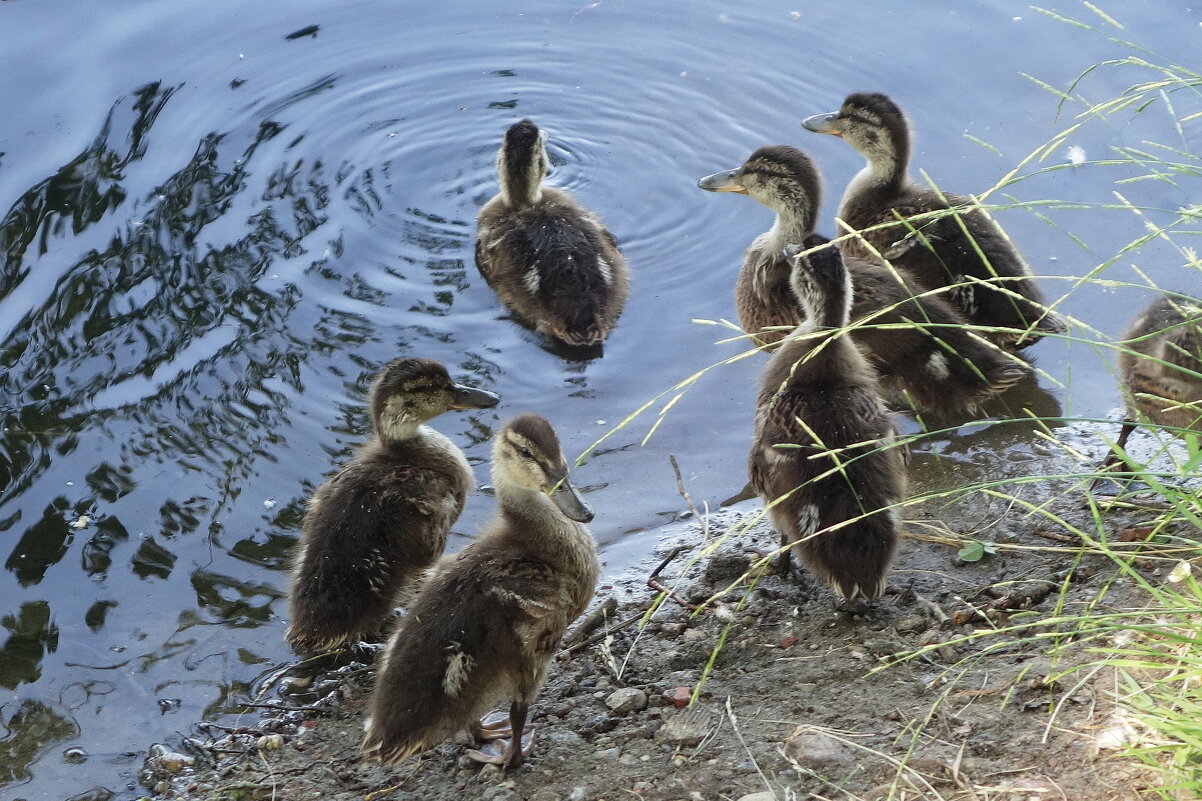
column 31, row 634
column 28, row 728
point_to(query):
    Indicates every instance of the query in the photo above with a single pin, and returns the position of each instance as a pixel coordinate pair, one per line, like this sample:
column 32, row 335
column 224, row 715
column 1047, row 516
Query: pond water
column 220, row 218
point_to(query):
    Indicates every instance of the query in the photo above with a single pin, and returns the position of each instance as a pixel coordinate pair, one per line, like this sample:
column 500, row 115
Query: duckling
column 373, row 528
column 837, row 479
column 944, row 368
column 550, row 260
column 943, row 249
column 487, row 623
column 1162, row 343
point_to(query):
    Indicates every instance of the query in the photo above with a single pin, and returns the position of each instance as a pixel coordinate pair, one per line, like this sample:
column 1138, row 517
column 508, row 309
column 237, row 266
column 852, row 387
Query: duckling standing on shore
column 1160, row 368
column 376, row 525
column 940, row 365
column 823, row 454
column 948, row 249
column 550, row 260
column 487, row 623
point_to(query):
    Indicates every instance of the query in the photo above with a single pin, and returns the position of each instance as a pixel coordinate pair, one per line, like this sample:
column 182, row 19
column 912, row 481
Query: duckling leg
column 1113, row 457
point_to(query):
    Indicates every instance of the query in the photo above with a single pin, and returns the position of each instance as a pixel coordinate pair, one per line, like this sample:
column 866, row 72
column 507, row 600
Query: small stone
column 911, row 624
column 609, row 753
column 679, row 696
column 687, row 728
column 692, row 634
column 501, row 793
column 820, row 753
column 627, row 700
column 545, row 794
column 578, row 794
column 269, row 742
column 75, row 755
column 489, row 774
column 764, row 795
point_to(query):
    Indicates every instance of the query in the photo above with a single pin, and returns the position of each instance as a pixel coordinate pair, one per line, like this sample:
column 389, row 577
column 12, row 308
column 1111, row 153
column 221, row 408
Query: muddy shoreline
column 798, row 699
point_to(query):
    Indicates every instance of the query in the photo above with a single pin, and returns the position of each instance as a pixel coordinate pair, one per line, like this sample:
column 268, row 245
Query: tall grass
column 1151, row 649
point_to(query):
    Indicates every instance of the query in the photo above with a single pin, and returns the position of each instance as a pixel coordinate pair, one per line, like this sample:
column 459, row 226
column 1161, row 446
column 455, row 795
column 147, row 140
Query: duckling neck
column 830, row 306
column 521, row 183
column 792, row 227
column 537, row 520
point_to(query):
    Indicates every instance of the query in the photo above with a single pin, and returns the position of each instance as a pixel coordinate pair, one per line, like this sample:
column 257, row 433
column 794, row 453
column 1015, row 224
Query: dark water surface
column 220, row 218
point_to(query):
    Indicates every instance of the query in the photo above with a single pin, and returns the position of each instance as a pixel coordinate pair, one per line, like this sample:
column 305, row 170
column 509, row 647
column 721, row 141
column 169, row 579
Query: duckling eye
column 525, row 453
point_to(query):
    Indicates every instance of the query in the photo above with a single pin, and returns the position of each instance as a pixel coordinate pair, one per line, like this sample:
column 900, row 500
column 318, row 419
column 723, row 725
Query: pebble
column 912, row 624
column 269, row 742
column 765, row 795
column 687, row 728
column 501, row 793
column 820, row 753
column 489, row 773
column 627, row 700
column 577, row 794
column 609, row 753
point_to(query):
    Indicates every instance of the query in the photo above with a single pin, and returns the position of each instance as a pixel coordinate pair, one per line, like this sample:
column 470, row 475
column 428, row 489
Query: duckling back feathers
column 548, row 258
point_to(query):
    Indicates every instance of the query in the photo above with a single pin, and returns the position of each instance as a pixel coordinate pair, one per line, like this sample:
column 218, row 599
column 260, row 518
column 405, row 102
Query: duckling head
column 822, row 284
column 527, row 459
column 522, row 164
column 782, row 178
column 874, row 125
column 409, row 392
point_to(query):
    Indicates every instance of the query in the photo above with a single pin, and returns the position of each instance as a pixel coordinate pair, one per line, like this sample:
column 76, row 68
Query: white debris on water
column 1076, row 155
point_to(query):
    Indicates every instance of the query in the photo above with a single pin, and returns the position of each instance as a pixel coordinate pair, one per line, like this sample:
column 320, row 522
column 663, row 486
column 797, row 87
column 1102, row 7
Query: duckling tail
column 582, row 333
column 854, row 560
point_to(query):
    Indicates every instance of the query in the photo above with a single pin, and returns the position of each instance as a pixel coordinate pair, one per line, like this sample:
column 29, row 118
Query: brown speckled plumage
column 550, row 260
column 819, row 400
column 373, row 527
column 1163, row 342
column 939, row 250
column 942, row 366
column 486, row 625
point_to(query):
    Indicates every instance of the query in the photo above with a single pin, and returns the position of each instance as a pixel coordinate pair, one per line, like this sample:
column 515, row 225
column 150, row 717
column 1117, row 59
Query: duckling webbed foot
column 779, row 561
column 509, row 753
column 501, row 751
column 492, row 727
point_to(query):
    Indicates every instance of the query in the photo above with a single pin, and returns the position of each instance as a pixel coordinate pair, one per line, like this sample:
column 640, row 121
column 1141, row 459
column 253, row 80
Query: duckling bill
column 824, row 454
column 373, row 528
column 943, row 239
column 549, row 259
column 485, row 626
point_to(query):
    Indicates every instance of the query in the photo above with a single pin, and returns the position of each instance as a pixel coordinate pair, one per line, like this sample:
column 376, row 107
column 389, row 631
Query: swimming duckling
column 487, row 623
column 1162, row 343
column 940, row 250
column 549, row 259
column 943, row 368
column 375, row 526
column 818, row 400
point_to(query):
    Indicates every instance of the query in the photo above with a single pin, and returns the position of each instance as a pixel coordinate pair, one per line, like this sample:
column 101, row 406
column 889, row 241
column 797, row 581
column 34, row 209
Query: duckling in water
column 549, row 259
column 940, row 250
column 944, row 368
column 375, row 526
column 487, row 623
column 1162, row 344
column 837, row 480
